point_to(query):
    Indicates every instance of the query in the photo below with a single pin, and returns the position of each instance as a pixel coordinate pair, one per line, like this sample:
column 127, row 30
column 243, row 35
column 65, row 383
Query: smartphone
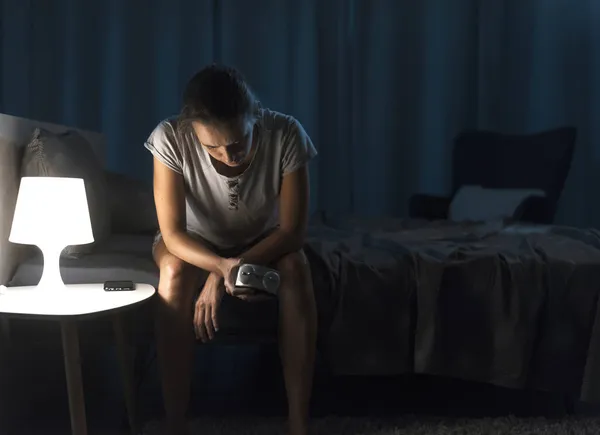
column 119, row 286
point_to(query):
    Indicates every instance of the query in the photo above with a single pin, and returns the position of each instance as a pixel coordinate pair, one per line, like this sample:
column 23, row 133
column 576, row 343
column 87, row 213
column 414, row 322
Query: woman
column 230, row 186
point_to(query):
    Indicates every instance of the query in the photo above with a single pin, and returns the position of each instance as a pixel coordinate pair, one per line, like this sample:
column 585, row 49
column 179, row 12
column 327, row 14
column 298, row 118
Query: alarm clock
column 258, row 278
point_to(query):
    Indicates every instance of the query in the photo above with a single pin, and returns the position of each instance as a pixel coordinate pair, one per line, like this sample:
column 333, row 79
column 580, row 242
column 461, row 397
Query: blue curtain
column 382, row 86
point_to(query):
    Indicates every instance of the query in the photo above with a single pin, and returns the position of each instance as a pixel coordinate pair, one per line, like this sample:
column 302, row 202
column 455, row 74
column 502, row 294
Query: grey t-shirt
column 233, row 212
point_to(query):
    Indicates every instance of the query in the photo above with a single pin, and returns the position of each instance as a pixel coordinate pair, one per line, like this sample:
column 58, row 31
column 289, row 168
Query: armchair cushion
column 515, row 161
column 475, row 203
column 493, row 160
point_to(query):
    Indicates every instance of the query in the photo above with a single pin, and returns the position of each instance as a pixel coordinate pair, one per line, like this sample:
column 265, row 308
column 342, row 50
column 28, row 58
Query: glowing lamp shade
column 51, row 213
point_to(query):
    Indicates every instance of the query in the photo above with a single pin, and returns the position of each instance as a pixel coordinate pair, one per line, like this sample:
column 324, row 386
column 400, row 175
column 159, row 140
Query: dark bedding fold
column 510, row 305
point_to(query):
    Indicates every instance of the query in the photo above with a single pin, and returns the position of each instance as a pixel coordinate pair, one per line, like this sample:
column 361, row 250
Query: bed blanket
column 510, row 305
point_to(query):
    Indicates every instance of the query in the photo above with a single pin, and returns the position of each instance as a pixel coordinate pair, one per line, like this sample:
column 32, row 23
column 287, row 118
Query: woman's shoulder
column 167, row 132
column 284, row 135
column 281, row 128
column 165, row 129
column 163, row 144
column 271, row 120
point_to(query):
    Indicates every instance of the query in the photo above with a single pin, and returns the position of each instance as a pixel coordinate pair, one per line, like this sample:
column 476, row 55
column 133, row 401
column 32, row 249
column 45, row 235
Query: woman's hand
column 229, row 268
column 205, row 314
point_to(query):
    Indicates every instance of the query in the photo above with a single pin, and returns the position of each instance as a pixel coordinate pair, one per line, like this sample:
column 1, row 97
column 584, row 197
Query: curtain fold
column 382, row 86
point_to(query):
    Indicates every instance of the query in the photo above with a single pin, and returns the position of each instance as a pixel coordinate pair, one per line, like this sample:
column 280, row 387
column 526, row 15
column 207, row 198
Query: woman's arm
column 293, row 220
column 169, row 197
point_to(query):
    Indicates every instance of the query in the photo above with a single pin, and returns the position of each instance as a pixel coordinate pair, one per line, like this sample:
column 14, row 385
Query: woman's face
column 228, row 143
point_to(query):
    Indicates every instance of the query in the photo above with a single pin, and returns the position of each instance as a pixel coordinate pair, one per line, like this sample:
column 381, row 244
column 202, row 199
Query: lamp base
column 51, row 278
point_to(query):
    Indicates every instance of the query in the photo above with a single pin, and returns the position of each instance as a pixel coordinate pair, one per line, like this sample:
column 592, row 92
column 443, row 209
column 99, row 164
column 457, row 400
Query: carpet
column 403, row 426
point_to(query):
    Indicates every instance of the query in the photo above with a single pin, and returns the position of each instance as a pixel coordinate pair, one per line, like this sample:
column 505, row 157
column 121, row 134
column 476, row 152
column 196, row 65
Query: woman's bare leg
column 297, row 337
column 175, row 341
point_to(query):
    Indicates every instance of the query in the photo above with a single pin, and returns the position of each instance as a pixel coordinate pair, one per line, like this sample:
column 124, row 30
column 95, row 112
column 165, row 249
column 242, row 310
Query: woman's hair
column 217, row 94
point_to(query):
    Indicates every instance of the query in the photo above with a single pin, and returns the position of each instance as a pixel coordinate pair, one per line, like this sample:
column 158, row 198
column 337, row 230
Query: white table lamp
column 51, row 213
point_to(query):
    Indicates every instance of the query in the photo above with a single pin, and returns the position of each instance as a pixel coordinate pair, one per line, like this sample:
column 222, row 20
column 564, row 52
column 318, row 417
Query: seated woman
column 230, row 186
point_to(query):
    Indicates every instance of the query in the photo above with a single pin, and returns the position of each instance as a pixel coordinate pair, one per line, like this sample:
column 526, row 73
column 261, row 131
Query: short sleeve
column 163, row 145
column 298, row 148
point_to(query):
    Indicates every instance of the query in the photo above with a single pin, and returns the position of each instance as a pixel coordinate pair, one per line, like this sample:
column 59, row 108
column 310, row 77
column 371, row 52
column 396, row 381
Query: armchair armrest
column 431, row 207
column 536, row 210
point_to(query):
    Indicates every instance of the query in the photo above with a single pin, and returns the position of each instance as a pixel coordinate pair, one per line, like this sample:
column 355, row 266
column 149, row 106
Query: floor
column 234, row 380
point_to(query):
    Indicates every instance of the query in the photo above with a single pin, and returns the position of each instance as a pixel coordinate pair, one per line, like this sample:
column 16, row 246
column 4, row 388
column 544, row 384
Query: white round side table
column 68, row 305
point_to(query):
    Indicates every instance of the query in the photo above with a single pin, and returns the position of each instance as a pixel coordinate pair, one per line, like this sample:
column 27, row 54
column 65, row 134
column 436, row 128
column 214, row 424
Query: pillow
column 70, row 155
column 475, row 203
column 131, row 204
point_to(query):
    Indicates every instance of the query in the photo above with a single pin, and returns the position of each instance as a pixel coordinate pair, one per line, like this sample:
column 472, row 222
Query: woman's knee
column 295, row 275
column 294, row 267
column 176, row 281
column 173, row 269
